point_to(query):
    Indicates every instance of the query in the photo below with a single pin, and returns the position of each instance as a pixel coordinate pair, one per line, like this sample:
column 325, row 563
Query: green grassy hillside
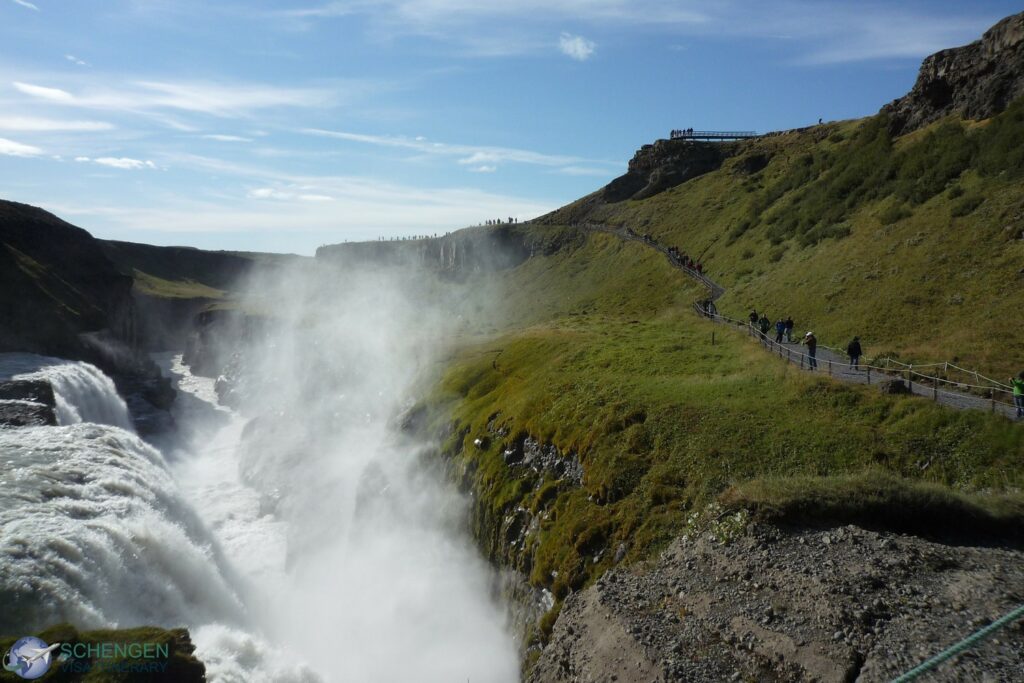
column 915, row 243
column 600, row 355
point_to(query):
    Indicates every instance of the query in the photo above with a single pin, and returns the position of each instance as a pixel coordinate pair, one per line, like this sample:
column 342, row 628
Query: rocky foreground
column 841, row 604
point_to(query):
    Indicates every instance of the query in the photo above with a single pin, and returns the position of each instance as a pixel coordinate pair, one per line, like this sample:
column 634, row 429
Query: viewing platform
column 708, row 135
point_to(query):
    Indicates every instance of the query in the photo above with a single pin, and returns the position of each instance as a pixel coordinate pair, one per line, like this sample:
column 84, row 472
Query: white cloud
column 215, row 99
column 471, row 155
column 26, row 3
column 586, row 171
column 814, row 31
column 226, row 138
column 16, row 149
column 484, row 169
column 82, row 159
column 576, row 47
column 75, row 60
column 124, row 163
column 36, row 124
column 287, row 195
column 44, row 93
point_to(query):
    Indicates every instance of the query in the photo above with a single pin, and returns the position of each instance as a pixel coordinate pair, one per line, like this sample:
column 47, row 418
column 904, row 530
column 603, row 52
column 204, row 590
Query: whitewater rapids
column 101, row 529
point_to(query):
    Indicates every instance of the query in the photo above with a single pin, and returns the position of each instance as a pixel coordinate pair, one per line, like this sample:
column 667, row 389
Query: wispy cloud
column 226, row 138
column 124, row 163
column 815, row 31
column 287, row 195
column 469, row 155
column 586, row 171
column 26, row 4
column 16, row 149
column 576, row 47
column 45, row 93
column 38, row 124
column 215, row 99
column 75, row 60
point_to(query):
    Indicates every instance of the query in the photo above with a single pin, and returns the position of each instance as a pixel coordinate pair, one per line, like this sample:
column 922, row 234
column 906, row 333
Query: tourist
column 1018, row 393
column 854, row 351
column 789, row 329
column 764, row 324
column 780, row 329
column 753, row 317
column 812, row 347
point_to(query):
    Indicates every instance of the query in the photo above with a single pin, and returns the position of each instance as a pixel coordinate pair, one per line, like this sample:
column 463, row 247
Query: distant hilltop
column 977, row 81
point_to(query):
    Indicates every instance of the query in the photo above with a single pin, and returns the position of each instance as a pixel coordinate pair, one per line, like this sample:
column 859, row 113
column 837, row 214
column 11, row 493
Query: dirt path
column 829, row 360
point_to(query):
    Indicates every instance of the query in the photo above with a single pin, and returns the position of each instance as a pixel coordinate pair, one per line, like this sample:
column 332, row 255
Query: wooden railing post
column 869, row 374
column 935, row 390
column 829, row 367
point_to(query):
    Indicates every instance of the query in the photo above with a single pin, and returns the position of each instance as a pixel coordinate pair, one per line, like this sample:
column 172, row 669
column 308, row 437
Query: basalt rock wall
column 975, row 81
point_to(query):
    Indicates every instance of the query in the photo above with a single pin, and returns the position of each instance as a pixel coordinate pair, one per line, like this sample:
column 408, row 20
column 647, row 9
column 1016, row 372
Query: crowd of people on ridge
column 499, row 221
column 684, row 133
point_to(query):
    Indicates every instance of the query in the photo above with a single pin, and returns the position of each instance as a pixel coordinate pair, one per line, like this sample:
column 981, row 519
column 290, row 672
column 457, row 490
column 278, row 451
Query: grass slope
column 916, row 243
column 601, row 356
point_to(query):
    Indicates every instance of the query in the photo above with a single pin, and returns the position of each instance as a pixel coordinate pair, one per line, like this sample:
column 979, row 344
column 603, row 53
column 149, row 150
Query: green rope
column 967, row 642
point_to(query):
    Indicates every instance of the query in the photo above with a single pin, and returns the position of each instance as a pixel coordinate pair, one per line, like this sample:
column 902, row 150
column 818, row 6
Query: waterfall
column 93, row 531
column 81, row 390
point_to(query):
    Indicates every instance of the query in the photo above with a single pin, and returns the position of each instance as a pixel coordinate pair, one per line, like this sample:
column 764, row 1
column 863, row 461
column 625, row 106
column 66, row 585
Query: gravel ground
column 842, row 604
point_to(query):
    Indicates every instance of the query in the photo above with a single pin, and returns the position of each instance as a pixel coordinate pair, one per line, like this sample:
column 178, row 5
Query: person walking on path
column 854, row 351
column 812, row 348
column 753, row 318
column 780, row 329
column 764, row 324
column 1018, row 393
column 789, row 329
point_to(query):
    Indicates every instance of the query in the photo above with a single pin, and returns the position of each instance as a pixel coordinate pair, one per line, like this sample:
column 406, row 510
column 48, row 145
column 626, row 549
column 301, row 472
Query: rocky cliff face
column 975, row 81
column 455, row 254
column 61, row 296
column 55, row 284
column 665, row 164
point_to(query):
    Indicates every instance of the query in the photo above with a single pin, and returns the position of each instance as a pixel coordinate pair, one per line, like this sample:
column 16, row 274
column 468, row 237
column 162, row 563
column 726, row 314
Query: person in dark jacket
column 764, row 324
column 812, row 349
column 854, row 351
column 753, row 317
column 789, row 329
column 780, row 329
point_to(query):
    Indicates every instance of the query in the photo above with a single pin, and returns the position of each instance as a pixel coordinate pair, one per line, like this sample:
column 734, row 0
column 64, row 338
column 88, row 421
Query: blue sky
column 280, row 126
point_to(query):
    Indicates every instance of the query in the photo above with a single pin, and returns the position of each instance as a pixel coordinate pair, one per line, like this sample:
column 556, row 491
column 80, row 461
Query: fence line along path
column 990, row 396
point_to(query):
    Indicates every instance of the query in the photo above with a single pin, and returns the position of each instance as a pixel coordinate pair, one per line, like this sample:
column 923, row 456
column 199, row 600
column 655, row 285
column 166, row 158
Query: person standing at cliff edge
column 1018, row 393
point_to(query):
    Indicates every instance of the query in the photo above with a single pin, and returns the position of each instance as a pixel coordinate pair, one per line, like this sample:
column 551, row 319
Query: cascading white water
column 93, row 531
column 381, row 580
column 315, row 543
column 81, row 391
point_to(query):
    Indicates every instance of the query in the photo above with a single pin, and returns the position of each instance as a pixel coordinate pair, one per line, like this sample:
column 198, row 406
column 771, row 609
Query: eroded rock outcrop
column 976, row 81
column 665, row 164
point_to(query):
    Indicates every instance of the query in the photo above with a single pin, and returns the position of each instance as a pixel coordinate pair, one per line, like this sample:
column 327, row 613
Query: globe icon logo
column 29, row 657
